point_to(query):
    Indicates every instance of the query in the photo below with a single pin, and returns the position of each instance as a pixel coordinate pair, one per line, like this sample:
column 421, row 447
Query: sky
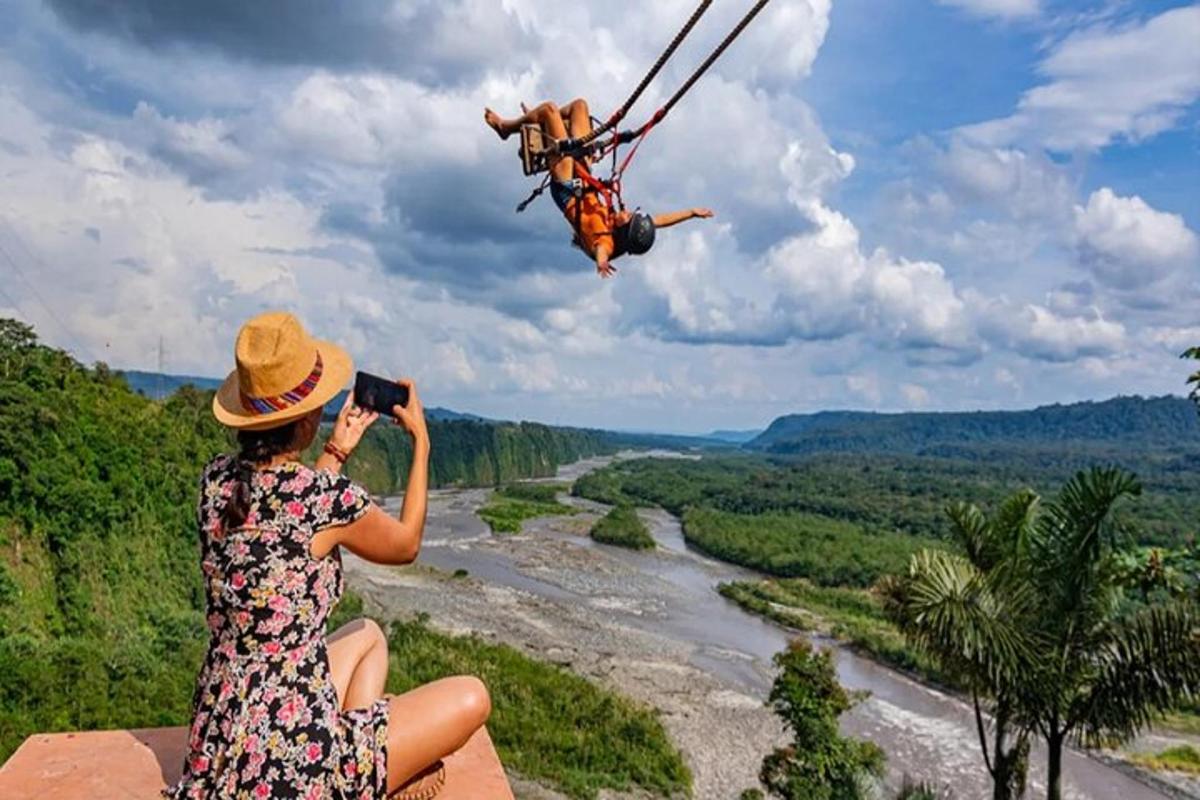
column 919, row 204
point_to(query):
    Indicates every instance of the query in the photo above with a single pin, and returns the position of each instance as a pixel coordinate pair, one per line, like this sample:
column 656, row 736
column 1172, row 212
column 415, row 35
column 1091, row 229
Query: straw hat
column 282, row 374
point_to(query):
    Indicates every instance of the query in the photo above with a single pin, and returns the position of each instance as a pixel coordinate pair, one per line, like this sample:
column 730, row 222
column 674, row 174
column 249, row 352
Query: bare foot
column 496, row 122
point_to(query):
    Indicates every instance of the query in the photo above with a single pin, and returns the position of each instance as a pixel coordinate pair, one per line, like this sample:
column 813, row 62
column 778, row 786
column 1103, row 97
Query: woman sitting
column 281, row 711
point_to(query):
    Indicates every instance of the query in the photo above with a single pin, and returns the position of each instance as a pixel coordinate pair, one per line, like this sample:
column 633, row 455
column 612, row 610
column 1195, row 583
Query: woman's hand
column 702, row 213
column 352, row 423
column 412, row 416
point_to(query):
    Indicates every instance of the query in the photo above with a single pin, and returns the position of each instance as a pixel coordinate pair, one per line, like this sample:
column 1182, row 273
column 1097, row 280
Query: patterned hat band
column 282, row 402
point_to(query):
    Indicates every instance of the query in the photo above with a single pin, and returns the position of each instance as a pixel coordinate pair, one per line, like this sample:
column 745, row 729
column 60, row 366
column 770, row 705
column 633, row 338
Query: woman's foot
column 424, row 786
column 496, row 123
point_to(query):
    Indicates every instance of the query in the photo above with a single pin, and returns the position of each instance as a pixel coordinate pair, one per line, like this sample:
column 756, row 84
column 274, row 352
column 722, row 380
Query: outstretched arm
column 676, row 217
column 603, row 265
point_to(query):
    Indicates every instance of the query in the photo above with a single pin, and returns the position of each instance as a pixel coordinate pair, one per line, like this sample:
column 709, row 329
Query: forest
column 1159, row 425
column 100, row 593
column 887, row 493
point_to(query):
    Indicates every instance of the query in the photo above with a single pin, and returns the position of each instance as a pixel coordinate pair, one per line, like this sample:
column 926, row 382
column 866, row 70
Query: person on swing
column 603, row 233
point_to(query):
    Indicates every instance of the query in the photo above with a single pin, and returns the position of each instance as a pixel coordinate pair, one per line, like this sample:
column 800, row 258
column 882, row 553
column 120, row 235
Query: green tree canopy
column 820, row 764
column 1038, row 618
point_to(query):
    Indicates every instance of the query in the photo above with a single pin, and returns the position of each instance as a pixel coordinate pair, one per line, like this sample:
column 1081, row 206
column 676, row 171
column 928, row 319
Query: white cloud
column 1106, row 84
column 377, row 205
column 451, row 366
column 915, row 395
column 1036, row 332
column 1128, row 244
column 1024, row 186
column 202, row 148
column 866, row 385
column 997, row 9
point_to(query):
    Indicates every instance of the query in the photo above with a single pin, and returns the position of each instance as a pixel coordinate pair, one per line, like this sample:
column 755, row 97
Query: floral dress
column 266, row 719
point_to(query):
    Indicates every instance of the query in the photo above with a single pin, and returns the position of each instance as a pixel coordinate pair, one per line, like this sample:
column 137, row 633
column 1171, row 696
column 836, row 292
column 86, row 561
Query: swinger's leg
column 578, row 117
column 547, row 115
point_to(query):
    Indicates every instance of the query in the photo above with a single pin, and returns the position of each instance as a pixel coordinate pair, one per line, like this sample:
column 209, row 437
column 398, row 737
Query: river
column 671, row 592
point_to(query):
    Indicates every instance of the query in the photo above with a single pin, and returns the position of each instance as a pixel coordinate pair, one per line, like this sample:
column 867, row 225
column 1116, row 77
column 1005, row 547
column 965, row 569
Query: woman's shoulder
column 217, row 466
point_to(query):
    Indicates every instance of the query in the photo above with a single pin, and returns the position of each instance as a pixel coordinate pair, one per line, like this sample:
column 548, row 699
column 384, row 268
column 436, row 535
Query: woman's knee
column 367, row 633
column 474, row 701
column 374, row 631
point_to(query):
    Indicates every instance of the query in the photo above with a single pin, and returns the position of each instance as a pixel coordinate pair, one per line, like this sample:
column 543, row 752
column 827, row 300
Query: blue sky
column 920, row 204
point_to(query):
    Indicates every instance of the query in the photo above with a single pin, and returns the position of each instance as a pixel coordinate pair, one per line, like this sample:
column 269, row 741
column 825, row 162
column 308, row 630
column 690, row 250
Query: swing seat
column 535, row 150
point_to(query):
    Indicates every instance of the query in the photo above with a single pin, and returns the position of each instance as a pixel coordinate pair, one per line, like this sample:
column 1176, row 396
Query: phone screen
column 378, row 394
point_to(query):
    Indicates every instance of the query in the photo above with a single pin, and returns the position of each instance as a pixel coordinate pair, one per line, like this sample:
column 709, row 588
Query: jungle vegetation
column 509, row 506
column 469, row 452
column 819, row 763
column 622, row 527
column 101, row 621
column 1161, row 425
column 1040, row 617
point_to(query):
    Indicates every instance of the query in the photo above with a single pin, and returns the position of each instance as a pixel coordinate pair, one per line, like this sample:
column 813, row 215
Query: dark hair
column 256, row 447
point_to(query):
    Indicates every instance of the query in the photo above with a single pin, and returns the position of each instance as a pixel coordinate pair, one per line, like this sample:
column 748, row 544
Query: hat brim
column 337, row 368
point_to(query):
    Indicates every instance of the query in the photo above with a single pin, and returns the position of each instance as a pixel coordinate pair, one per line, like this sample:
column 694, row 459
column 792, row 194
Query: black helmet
column 637, row 235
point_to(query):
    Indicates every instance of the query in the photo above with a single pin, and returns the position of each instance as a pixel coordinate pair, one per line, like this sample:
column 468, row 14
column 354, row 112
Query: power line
column 37, row 295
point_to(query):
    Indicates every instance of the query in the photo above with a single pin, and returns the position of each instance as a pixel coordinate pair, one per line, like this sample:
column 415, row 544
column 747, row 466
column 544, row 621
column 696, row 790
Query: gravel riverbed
column 652, row 627
column 723, row 732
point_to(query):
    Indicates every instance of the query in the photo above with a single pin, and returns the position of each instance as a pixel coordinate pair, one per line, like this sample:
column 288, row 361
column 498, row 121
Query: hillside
column 1167, row 425
column 471, row 453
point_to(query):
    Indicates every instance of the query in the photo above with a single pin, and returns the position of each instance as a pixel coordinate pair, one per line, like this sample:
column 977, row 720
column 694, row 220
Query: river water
column 925, row 733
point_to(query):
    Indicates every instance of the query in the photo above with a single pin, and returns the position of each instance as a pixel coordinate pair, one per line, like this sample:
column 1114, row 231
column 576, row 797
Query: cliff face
column 472, row 453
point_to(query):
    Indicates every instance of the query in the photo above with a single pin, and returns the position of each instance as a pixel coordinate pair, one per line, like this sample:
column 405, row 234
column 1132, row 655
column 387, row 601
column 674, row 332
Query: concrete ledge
column 138, row 764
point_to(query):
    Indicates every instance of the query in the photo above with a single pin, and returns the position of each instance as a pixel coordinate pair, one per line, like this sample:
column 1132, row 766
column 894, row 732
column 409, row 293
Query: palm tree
column 1194, row 380
column 972, row 614
column 1035, row 618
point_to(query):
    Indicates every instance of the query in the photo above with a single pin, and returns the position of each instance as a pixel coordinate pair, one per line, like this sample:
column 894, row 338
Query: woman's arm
column 384, row 539
column 676, row 217
column 352, row 422
column 376, row 536
column 603, row 264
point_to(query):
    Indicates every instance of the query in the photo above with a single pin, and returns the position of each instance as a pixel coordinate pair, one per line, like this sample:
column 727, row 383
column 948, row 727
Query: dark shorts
column 562, row 193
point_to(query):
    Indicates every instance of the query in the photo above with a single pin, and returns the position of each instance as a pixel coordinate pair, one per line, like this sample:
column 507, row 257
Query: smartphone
column 378, row 394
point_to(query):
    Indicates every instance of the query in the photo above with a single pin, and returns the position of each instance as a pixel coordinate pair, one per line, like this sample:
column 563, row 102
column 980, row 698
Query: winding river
column 925, row 733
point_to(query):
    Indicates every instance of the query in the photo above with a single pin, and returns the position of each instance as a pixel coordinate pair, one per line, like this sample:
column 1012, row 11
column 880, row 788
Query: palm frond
column 1194, row 380
column 972, row 530
column 1078, row 524
column 1147, row 663
column 1015, row 519
column 950, row 610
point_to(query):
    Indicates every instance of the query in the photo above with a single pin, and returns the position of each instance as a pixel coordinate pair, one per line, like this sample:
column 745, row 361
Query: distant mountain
column 734, row 437
column 157, row 385
column 1131, row 423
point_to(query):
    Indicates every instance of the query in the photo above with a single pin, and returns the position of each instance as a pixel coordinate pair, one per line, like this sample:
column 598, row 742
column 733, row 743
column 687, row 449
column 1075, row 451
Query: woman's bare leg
column 430, row 723
column 358, row 663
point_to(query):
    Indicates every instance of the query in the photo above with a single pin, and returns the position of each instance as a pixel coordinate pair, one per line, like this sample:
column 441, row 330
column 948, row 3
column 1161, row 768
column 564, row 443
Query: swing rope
column 620, row 113
column 578, row 147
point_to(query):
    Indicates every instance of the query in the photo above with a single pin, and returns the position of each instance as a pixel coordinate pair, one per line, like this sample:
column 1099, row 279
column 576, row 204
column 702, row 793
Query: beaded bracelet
column 337, row 452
